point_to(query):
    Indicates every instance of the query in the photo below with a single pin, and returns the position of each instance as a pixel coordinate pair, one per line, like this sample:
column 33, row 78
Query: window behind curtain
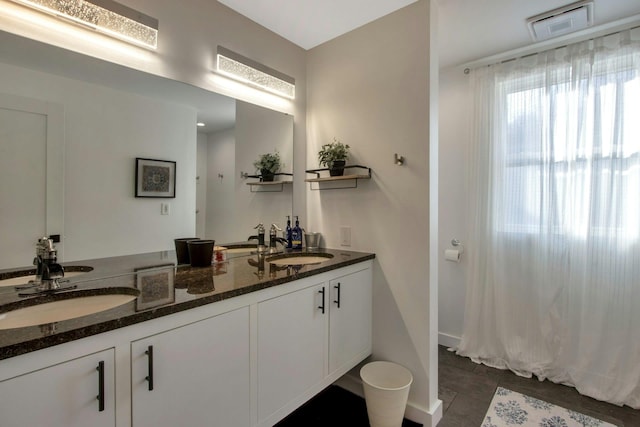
column 570, row 151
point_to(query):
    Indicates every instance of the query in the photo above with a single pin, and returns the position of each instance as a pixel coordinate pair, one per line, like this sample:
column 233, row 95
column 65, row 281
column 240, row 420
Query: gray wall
column 370, row 89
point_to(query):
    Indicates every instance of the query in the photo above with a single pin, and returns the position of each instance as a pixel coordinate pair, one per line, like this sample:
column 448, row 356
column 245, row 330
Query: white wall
column 370, row 89
column 105, row 130
column 260, row 131
column 202, row 178
column 456, row 101
column 221, row 192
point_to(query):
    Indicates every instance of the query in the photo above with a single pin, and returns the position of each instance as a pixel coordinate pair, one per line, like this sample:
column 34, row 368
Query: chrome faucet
column 48, row 271
column 273, row 239
column 262, row 248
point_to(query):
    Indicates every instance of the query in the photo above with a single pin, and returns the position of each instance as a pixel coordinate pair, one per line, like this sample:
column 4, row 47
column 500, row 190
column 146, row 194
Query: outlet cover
column 345, row 236
column 165, row 209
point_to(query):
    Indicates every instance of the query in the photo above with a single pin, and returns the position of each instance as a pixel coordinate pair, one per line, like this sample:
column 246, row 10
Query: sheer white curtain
column 554, row 287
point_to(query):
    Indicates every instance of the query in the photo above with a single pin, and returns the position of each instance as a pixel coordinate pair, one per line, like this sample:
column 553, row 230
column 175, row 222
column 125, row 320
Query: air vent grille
column 564, row 20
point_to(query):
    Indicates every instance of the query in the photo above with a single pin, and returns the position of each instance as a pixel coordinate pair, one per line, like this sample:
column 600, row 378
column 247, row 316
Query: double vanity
column 241, row 343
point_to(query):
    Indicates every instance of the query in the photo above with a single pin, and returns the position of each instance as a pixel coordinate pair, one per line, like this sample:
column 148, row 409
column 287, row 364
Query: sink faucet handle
column 274, row 229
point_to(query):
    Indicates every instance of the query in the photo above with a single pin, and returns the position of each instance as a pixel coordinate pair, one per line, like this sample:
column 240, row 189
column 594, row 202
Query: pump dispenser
column 296, row 236
column 288, row 232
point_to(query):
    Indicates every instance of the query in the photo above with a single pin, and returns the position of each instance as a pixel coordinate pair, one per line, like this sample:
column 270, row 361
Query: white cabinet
column 350, row 319
column 194, row 375
column 308, row 338
column 242, row 362
column 79, row 392
column 291, row 347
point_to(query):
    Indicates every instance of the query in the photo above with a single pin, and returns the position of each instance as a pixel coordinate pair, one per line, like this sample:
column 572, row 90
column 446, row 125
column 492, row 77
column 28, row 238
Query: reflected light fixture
column 104, row 16
column 243, row 69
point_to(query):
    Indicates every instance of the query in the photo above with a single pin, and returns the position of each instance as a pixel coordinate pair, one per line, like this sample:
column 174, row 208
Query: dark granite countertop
column 164, row 289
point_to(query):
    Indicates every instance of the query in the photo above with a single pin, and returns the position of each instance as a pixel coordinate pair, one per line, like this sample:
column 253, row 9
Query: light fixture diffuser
column 251, row 72
column 104, row 16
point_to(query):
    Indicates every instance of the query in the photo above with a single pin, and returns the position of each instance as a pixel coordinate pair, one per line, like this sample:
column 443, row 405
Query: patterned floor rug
column 509, row 408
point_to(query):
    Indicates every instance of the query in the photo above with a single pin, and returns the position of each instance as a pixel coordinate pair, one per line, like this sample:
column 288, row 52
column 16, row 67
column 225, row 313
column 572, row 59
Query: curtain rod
column 603, row 30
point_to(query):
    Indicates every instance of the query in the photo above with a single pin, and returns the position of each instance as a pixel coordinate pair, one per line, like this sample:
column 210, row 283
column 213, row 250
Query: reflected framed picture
column 155, row 178
column 156, row 286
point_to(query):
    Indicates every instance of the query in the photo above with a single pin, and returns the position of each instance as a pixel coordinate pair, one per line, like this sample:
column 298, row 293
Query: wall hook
column 398, row 160
column 220, row 176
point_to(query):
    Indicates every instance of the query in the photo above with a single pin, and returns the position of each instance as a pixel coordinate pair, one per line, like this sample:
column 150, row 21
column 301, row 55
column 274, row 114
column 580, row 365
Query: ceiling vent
column 567, row 19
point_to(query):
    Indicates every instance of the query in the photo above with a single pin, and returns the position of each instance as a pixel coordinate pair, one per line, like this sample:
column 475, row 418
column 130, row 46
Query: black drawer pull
column 337, row 301
column 100, row 396
column 149, row 377
column 321, row 307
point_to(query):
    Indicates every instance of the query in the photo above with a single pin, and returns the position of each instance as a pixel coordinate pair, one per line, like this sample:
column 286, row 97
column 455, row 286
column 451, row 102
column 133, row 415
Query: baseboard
column 428, row 418
column 448, row 340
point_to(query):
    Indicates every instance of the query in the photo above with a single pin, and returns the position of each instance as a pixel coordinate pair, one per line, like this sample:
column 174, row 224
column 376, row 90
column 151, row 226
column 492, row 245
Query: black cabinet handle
column 100, row 397
column 337, row 301
column 149, row 377
column 321, row 307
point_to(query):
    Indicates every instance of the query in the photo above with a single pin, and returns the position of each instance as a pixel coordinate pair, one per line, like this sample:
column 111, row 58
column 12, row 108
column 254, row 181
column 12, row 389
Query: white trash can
column 386, row 390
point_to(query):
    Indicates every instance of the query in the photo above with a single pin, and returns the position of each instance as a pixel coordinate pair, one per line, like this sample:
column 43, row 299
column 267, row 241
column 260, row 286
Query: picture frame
column 155, row 178
column 156, row 286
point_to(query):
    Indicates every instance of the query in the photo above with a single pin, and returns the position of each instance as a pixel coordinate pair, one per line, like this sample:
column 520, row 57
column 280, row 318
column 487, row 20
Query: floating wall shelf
column 268, row 186
column 319, row 178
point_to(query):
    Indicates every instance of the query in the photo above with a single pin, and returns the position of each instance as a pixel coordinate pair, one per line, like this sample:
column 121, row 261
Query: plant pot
column 337, row 168
column 266, row 175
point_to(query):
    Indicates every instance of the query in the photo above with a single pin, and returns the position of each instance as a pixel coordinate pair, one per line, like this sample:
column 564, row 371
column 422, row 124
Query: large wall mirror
column 108, row 115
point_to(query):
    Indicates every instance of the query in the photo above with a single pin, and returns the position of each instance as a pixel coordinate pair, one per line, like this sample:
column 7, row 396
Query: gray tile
column 464, row 411
column 467, row 383
column 466, row 389
column 447, row 396
column 449, row 358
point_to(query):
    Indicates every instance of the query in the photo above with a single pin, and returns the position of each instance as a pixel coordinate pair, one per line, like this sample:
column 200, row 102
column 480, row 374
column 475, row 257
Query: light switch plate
column 165, row 209
column 345, row 236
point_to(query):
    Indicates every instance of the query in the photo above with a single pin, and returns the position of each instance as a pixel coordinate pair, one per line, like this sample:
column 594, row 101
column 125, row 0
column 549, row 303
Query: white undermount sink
column 65, row 306
column 300, row 258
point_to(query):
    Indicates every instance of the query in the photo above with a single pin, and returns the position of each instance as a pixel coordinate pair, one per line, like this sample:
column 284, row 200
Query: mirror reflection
column 72, row 127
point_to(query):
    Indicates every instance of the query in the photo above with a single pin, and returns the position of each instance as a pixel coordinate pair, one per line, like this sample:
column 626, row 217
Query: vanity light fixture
column 104, row 16
column 251, row 72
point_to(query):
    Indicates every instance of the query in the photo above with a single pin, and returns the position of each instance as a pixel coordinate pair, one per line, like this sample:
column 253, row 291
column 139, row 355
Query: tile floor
column 466, row 390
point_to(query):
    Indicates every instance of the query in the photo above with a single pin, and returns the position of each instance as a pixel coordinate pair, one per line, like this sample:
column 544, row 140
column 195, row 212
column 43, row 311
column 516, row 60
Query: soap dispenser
column 296, row 236
column 288, row 232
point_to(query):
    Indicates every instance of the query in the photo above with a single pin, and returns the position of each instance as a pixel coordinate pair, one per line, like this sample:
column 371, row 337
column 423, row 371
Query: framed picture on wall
column 156, row 286
column 155, row 178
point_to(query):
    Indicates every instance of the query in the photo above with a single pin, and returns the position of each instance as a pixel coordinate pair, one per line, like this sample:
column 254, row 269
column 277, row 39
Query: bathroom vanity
column 240, row 343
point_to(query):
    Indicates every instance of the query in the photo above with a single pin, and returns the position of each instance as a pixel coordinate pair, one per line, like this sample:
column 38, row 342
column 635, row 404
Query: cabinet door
column 350, row 320
column 63, row 395
column 291, row 346
column 200, row 374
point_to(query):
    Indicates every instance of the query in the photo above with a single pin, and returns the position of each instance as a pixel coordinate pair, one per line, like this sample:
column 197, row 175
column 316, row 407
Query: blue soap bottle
column 296, row 236
column 288, row 232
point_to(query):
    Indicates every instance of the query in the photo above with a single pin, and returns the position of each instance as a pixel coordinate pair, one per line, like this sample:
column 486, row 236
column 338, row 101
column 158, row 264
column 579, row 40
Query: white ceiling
column 473, row 29
column 309, row 23
column 467, row 29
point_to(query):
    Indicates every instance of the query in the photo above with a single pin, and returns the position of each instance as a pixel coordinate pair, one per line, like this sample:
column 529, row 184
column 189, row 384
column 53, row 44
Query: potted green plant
column 268, row 164
column 334, row 156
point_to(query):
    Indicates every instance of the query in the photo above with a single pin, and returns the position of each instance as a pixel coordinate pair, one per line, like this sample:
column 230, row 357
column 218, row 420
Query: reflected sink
column 63, row 306
column 23, row 278
column 300, row 258
column 239, row 248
